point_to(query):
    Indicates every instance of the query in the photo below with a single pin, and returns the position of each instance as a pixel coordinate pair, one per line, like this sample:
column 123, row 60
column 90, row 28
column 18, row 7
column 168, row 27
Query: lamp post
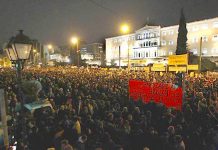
column 34, row 56
column 200, row 56
column 75, row 41
column 125, row 30
column 18, row 50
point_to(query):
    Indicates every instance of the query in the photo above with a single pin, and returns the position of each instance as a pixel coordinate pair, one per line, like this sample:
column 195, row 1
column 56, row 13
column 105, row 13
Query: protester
column 93, row 111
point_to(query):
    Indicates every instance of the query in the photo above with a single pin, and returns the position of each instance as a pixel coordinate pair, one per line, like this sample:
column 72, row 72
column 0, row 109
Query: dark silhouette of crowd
column 92, row 111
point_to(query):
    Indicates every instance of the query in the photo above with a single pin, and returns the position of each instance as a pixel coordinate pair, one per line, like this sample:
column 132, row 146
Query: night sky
column 55, row 21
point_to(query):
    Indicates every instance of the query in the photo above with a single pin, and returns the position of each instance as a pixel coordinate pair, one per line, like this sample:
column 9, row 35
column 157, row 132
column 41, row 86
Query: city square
column 112, row 82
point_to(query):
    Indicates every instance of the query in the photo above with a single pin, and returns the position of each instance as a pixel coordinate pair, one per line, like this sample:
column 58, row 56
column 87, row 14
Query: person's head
column 146, row 148
column 110, row 116
column 148, row 114
column 178, row 139
column 137, row 110
column 171, row 130
column 130, row 117
column 64, row 143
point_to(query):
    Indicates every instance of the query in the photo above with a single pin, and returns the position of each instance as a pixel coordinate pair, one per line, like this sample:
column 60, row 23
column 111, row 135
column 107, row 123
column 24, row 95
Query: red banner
column 158, row 92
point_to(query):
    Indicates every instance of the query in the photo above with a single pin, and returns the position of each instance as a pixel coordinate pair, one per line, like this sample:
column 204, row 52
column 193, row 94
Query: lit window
column 155, row 43
column 215, row 37
column 215, row 50
column 151, row 35
column 195, row 51
column 215, row 24
column 171, row 32
column 163, row 42
column 149, row 43
column 204, row 38
column 204, row 51
column 195, row 40
column 195, row 28
column 170, row 53
column 205, row 26
column 164, row 33
column 170, row 42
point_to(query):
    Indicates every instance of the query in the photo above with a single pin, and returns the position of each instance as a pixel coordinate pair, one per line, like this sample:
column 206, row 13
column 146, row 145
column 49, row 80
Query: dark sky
column 55, row 21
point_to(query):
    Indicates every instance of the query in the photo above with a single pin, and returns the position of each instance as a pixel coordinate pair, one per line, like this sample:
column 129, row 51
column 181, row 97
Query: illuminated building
column 154, row 43
column 92, row 53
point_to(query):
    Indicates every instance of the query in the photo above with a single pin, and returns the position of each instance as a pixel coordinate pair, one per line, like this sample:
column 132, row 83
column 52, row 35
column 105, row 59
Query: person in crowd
column 65, row 145
column 92, row 111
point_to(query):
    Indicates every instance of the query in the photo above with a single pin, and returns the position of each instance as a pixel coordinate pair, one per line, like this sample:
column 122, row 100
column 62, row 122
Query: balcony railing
column 151, row 37
column 147, row 46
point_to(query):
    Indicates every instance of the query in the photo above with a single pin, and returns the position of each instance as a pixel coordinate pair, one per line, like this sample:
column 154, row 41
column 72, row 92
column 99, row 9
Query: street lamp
column 50, row 46
column 75, row 41
column 34, row 56
column 18, row 50
column 125, row 30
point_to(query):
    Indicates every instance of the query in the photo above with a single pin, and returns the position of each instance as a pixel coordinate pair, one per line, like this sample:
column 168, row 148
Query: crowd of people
column 92, row 111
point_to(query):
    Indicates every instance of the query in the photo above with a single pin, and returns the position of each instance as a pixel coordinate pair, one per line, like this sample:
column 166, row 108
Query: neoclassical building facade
column 154, row 43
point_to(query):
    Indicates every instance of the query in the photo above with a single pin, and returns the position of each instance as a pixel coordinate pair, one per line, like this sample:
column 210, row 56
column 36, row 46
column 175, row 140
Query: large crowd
column 92, row 111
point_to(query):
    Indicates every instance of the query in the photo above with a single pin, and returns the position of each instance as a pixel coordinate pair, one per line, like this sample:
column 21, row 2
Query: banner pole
column 4, row 118
column 183, row 88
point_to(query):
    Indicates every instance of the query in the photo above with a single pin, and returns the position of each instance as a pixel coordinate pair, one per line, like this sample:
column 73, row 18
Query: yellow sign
column 158, row 65
column 178, row 59
column 139, row 61
column 177, row 69
column 192, row 67
column 158, row 69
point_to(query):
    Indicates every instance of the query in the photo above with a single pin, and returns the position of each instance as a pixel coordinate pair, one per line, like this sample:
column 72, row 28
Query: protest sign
column 158, row 92
column 178, row 59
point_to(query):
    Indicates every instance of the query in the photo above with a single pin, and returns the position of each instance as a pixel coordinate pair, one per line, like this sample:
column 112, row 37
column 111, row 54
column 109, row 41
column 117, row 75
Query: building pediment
column 147, row 28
